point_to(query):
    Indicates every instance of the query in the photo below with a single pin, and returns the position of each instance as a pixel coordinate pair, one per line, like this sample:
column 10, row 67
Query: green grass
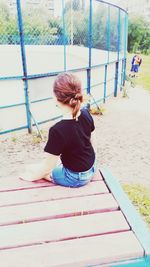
column 144, row 73
column 140, row 197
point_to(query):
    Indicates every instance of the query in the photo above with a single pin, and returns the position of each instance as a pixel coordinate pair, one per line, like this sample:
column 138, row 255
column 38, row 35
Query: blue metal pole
column 90, row 35
column 105, row 83
column 64, row 34
column 122, row 72
column 90, row 50
column 125, row 46
column 108, row 33
column 23, row 56
column 122, row 48
column 118, row 55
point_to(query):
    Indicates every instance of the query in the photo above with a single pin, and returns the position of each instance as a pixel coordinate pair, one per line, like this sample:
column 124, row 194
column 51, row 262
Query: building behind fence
column 41, row 38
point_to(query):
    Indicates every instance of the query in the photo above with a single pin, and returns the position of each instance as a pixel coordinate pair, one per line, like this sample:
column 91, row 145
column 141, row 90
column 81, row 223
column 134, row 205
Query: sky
column 121, row 3
column 57, row 7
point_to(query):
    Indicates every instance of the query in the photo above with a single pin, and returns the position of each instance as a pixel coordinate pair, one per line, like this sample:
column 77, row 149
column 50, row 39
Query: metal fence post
column 108, row 33
column 105, row 83
column 90, row 52
column 64, row 34
column 118, row 56
column 125, row 46
column 24, row 65
column 122, row 72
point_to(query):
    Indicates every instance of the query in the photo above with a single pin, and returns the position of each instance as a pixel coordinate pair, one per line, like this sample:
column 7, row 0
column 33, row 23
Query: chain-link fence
column 41, row 38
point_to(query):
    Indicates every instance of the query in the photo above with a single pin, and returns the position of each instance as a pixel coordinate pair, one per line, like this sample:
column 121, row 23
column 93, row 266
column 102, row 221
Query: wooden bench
column 44, row 225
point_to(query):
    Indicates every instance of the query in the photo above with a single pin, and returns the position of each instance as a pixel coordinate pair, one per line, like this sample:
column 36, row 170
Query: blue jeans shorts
column 65, row 177
column 136, row 68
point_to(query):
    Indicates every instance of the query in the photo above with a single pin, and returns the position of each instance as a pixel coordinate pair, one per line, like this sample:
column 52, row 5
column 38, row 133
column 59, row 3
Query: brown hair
column 67, row 89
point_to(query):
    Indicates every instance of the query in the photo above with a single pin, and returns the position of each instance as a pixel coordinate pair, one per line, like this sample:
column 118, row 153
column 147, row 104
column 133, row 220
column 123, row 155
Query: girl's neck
column 67, row 114
column 67, row 111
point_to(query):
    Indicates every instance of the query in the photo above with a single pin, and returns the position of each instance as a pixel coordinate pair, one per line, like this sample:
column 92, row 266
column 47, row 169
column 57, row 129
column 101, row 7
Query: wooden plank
column 97, row 176
column 77, row 252
column 57, row 208
column 62, row 229
column 137, row 224
column 50, row 193
column 14, row 183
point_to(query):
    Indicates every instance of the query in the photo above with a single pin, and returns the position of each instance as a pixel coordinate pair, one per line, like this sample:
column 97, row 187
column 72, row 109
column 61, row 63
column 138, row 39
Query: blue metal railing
column 24, row 65
column 121, row 59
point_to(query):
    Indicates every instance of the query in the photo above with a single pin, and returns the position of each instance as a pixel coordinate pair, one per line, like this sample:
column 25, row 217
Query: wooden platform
column 43, row 225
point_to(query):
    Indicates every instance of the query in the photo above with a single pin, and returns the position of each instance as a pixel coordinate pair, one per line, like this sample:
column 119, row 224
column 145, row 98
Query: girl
column 69, row 139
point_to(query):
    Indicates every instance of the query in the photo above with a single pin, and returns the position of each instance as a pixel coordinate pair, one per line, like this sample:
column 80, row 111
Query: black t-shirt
column 71, row 140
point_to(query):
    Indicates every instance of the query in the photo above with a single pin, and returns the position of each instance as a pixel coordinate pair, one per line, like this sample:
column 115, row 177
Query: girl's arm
column 94, row 141
column 40, row 170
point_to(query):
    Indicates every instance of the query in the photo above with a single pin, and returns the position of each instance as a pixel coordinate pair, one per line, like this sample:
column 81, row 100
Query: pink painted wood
column 50, row 193
column 97, row 176
column 11, row 184
column 43, row 225
column 76, row 252
column 57, row 209
column 62, row 229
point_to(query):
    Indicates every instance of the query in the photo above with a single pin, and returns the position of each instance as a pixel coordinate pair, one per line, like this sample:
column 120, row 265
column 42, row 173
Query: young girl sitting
column 69, row 139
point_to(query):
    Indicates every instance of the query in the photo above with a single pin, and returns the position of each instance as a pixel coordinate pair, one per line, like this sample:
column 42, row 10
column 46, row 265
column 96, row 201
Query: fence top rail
column 114, row 5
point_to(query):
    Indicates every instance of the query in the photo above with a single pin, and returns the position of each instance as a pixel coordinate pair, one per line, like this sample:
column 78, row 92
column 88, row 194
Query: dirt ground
column 123, row 140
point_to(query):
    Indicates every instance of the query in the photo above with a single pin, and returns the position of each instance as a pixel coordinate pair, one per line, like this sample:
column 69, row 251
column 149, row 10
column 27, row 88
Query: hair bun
column 73, row 102
column 78, row 96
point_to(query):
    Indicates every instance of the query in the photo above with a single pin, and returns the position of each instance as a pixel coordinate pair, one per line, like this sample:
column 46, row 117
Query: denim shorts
column 65, row 177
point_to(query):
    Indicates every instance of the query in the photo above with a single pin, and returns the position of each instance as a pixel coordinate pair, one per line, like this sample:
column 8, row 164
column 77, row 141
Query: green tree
column 4, row 11
column 99, row 28
column 75, row 5
column 38, row 26
column 8, row 25
column 77, row 29
column 80, row 31
column 76, row 22
column 138, row 35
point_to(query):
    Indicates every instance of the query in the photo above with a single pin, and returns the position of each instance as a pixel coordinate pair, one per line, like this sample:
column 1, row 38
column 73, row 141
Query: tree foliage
column 41, row 28
column 38, row 26
column 138, row 35
column 77, row 25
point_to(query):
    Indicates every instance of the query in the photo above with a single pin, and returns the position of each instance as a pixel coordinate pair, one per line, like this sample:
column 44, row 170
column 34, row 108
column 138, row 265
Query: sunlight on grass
column 140, row 197
column 144, row 73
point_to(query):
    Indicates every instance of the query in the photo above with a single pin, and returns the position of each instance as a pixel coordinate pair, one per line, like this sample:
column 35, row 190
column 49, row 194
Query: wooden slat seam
column 63, row 239
column 59, row 216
